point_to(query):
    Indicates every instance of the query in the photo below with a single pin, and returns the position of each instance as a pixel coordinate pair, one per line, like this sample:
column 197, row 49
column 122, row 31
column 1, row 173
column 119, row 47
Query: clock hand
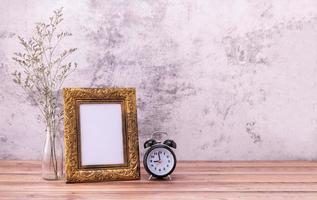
column 159, row 156
column 156, row 161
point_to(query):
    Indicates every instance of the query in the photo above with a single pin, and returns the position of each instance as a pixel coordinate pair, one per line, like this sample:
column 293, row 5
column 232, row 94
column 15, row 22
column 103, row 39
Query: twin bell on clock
column 159, row 159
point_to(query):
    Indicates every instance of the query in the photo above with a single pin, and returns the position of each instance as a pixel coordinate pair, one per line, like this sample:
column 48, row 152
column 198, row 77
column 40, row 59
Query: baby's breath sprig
column 43, row 70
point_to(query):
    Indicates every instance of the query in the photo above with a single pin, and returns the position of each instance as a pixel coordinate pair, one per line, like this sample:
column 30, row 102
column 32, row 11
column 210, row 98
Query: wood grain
column 191, row 180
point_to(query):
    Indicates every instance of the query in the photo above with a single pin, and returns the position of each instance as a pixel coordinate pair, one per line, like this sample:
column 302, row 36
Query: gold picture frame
column 84, row 108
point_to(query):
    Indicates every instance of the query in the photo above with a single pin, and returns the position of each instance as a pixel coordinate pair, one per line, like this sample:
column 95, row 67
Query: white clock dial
column 160, row 161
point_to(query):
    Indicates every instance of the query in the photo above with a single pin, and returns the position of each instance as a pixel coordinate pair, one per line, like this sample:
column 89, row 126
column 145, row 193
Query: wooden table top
column 191, row 180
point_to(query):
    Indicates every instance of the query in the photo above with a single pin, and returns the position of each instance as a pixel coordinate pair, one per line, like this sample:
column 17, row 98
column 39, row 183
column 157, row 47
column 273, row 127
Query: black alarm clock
column 159, row 159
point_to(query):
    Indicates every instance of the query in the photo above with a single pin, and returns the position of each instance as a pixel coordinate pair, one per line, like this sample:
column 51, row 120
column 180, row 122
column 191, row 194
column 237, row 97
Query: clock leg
column 150, row 177
column 169, row 177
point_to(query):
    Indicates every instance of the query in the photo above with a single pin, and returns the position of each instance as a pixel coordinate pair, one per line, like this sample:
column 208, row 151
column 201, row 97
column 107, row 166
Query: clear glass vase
column 52, row 161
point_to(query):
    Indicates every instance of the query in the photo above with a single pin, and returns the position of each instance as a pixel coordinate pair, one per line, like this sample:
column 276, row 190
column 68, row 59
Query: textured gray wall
column 228, row 79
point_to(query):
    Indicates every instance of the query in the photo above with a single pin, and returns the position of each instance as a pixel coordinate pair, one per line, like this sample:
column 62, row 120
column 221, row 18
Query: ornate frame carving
column 130, row 170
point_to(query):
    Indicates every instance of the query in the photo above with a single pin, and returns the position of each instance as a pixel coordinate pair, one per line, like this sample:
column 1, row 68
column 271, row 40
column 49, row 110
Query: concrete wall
column 227, row 79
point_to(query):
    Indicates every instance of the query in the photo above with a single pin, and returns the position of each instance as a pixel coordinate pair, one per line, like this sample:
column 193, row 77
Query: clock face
column 160, row 161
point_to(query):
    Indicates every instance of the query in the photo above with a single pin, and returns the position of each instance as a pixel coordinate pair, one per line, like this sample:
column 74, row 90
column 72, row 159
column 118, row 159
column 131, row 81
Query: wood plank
column 192, row 178
column 159, row 187
column 160, row 196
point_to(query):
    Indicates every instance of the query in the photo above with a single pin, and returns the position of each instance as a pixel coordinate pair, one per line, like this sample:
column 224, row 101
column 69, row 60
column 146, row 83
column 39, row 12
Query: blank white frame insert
column 101, row 134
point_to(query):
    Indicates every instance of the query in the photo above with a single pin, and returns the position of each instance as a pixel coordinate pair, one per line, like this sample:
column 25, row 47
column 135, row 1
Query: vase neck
column 51, row 131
